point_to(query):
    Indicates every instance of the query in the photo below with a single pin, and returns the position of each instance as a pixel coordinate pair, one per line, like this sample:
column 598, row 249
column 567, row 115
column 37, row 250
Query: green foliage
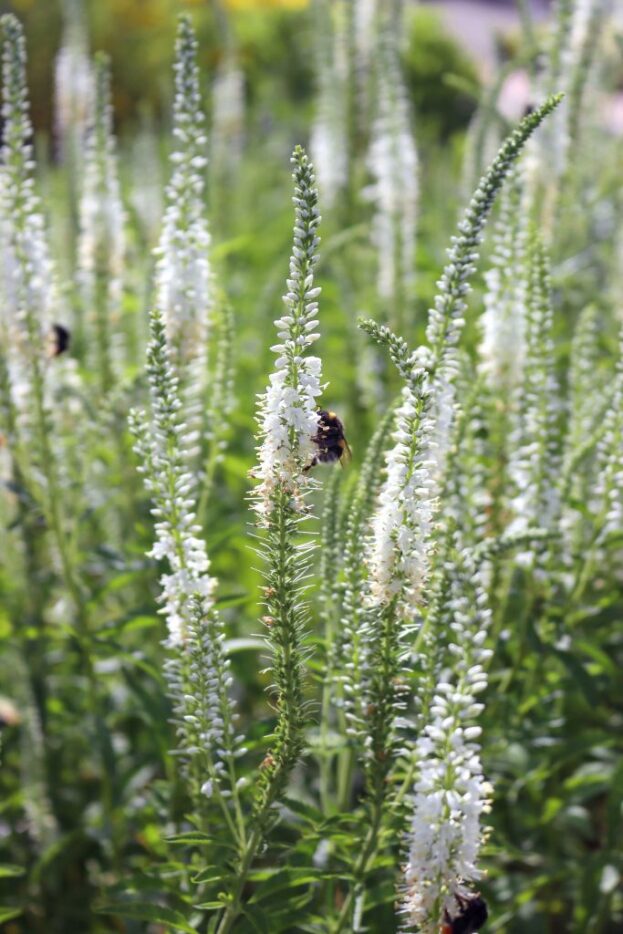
column 442, row 80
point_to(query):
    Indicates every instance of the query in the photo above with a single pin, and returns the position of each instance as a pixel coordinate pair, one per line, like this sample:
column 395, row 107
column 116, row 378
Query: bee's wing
column 347, row 454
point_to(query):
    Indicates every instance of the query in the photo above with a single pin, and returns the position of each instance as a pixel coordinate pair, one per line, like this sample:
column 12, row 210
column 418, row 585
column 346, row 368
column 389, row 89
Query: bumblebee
column 60, row 339
column 472, row 915
column 330, row 440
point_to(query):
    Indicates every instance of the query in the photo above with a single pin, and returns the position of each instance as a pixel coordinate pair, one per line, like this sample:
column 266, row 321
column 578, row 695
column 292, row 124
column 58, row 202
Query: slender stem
column 234, row 908
column 361, row 868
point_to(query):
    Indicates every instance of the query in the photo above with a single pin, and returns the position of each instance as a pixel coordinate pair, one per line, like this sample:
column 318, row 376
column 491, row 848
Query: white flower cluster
column 27, row 258
column 534, row 458
column 183, row 282
column 228, row 113
column 101, row 241
column 502, row 322
column 393, row 163
column 29, row 295
column 365, row 18
column 416, row 464
column 450, row 794
column 609, row 486
column 146, row 180
column 402, row 527
column 74, row 83
column 329, row 143
column 162, row 445
column 288, row 417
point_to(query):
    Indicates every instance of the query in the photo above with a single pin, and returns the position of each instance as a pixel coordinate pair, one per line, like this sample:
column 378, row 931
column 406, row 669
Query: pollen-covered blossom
column 183, row 284
column 450, row 793
column 101, row 242
column 74, row 83
column 394, row 192
column 288, row 416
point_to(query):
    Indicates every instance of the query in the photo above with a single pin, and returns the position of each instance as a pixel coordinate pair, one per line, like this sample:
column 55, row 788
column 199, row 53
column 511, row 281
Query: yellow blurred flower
column 266, row 4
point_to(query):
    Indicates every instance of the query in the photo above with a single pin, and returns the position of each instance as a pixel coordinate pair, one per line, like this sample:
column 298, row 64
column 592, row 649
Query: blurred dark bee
column 472, row 915
column 330, row 440
column 60, row 339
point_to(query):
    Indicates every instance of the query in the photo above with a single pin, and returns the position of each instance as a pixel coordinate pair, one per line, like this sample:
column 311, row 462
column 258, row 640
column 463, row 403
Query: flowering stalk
column 219, row 404
column 74, row 86
column 607, row 505
column 183, row 279
column 101, row 241
column 288, row 421
column 228, row 117
column 329, row 142
column 197, row 670
column 534, row 462
column 394, row 192
column 450, row 793
column 346, row 651
column 502, row 321
column 34, row 292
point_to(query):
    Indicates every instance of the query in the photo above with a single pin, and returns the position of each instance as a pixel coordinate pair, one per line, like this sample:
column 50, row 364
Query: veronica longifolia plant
column 404, row 528
column 197, row 668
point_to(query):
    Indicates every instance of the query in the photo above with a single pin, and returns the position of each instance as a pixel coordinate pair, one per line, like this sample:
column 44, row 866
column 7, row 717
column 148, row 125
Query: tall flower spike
column 415, row 465
column 288, row 419
column 609, row 506
column 183, row 288
column 101, row 242
column 502, row 321
column 450, row 794
column 534, row 456
column 161, row 445
column 394, row 192
column 329, row 135
column 74, row 84
column 30, row 294
column 288, row 423
column 228, row 116
column 197, row 670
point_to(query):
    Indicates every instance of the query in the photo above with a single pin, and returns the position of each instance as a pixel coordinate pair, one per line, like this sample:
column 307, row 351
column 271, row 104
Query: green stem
column 361, row 868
